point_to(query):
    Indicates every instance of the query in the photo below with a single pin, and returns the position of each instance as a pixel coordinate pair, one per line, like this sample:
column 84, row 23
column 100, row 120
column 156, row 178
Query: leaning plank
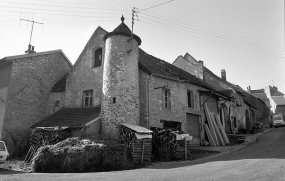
column 211, row 127
column 219, row 124
column 218, row 133
column 212, row 143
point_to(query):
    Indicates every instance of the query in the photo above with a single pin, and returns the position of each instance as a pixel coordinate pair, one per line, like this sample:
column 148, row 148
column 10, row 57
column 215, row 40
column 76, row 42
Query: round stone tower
column 120, row 101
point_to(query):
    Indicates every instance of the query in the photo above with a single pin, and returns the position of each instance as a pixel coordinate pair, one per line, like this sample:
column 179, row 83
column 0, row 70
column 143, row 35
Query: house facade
column 26, row 81
column 130, row 86
column 237, row 113
column 277, row 100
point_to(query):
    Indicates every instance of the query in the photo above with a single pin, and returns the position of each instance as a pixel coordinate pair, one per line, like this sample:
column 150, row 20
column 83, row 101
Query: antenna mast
column 33, row 22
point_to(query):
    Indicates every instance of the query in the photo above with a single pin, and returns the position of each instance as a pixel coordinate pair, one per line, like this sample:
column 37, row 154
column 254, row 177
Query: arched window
column 97, row 57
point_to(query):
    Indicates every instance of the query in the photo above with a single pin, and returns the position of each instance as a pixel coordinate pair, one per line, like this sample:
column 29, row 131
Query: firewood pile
column 41, row 137
column 140, row 149
column 214, row 130
column 164, row 144
column 180, row 150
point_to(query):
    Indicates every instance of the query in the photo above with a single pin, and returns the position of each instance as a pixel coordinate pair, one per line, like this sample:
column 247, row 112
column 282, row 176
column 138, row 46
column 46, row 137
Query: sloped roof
column 123, row 29
column 257, row 91
column 10, row 58
column 163, row 68
column 60, row 85
column 160, row 67
column 275, row 92
column 279, row 100
column 70, row 117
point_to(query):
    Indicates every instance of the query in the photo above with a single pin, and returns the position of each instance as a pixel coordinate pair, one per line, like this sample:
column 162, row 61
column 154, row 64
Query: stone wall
column 144, row 98
column 120, row 84
column 84, row 76
column 190, row 65
column 179, row 108
column 5, row 74
column 31, row 80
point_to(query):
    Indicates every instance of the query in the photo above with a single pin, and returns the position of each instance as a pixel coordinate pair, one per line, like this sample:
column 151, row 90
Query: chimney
column 223, row 74
column 30, row 49
column 249, row 89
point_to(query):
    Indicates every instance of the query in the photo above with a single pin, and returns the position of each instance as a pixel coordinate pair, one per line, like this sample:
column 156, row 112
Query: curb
column 248, row 140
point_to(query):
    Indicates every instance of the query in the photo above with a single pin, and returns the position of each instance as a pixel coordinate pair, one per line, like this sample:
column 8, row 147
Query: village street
column 262, row 160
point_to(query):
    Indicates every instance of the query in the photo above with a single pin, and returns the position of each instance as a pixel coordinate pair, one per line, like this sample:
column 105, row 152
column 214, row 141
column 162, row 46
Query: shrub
column 81, row 155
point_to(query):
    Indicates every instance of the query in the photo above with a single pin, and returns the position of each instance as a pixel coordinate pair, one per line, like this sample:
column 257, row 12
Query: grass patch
column 82, row 155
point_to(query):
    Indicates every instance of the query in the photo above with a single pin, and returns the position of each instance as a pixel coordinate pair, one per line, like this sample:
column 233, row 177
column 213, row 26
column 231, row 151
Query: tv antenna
column 33, row 22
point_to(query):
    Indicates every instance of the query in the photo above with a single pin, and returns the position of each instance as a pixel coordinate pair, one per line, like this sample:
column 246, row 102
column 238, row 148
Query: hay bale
column 81, row 155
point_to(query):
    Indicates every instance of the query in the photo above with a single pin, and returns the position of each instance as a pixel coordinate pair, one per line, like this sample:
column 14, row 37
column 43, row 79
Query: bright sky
column 244, row 37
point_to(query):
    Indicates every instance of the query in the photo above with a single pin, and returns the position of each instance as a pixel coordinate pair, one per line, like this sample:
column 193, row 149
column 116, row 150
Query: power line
column 156, row 5
column 206, row 37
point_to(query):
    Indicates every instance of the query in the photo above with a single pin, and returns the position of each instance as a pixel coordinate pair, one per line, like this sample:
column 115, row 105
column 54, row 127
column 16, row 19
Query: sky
column 244, row 37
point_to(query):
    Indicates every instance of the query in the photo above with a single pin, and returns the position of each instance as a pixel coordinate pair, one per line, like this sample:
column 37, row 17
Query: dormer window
column 97, row 57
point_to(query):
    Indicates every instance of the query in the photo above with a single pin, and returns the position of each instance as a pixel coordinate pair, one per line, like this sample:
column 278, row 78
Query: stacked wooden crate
column 214, row 130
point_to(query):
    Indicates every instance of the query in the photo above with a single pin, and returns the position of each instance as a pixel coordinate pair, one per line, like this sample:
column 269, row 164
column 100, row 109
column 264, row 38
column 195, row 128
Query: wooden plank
column 142, row 152
column 219, row 124
column 212, row 143
column 218, row 133
column 210, row 124
column 185, row 148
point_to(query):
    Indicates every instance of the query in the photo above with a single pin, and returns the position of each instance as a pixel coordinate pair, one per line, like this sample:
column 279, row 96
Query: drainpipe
column 147, row 123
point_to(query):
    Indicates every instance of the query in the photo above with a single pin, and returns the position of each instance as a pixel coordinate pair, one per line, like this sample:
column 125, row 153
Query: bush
column 81, row 155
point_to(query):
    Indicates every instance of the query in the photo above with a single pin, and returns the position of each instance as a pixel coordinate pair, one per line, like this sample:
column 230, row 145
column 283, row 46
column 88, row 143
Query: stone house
column 263, row 106
column 277, row 100
column 237, row 113
column 25, row 84
column 129, row 86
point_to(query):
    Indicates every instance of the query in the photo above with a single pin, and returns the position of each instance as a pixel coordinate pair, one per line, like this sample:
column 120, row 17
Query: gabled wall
column 84, row 76
column 31, row 80
column 189, row 64
column 5, row 74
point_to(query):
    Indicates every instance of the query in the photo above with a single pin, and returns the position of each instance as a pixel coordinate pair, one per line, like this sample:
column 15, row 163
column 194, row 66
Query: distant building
column 277, row 100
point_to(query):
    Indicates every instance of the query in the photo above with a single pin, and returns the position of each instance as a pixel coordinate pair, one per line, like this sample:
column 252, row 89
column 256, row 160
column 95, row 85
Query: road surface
column 262, row 160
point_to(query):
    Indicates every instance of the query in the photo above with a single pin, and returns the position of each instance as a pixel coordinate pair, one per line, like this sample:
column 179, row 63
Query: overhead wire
column 200, row 36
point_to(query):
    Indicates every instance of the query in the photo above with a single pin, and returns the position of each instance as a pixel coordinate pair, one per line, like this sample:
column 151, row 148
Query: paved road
column 263, row 160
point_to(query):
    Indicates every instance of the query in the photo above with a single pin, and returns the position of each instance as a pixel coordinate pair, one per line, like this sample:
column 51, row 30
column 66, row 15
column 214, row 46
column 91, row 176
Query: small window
column 166, row 98
column 88, row 98
column 98, row 57
column 172, row 125
column 190, row 100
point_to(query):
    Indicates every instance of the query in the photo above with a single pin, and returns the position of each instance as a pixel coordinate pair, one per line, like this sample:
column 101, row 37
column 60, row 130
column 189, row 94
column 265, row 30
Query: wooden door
column 193, row 128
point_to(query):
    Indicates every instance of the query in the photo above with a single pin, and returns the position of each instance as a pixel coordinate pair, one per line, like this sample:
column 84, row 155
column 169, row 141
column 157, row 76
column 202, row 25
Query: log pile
column 180, row 150
column 214, row 130
column 41, row 137
column 140, row 149
column 163, row 141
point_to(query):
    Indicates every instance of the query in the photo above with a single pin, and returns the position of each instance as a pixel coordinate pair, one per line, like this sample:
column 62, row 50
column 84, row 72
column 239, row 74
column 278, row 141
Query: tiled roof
column 60, row 85
column 257, row 91
column 70, row 117
column 163, row 68
column 275, row 92
column 136, row 128
column 279, row 100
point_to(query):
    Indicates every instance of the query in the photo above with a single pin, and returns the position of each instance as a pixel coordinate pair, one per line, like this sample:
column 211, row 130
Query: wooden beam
column 219, row 124
column 212, row 143
column 210, row 124
column 218, row 133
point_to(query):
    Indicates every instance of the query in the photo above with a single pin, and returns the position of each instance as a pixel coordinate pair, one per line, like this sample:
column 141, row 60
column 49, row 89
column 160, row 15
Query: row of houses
column 112, row 82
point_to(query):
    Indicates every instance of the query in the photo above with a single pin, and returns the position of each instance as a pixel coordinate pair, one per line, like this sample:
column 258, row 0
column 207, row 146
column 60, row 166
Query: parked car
column 3, row 152
column 278, row 120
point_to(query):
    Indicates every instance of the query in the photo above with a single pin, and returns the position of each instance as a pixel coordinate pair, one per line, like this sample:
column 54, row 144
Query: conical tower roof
column 124, row 30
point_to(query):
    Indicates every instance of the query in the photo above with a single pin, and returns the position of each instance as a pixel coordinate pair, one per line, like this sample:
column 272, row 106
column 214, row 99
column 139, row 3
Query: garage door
column 193, row 128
